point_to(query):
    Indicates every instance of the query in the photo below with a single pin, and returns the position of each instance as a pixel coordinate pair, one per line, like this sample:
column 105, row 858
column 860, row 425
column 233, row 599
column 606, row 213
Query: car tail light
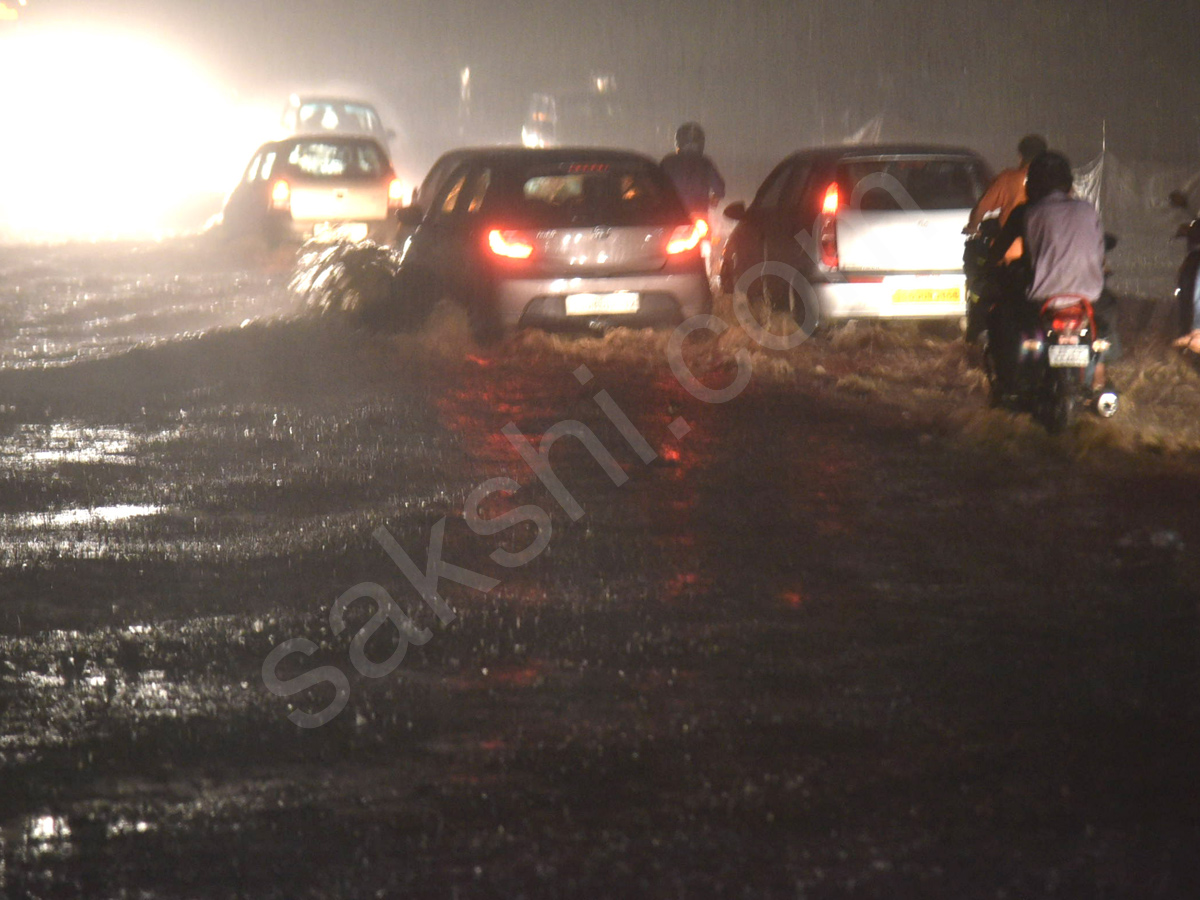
column 396, row 192
column 281, row 195
column 509, row 244
column 832, row 201
column 687, row 237
column 828, row 233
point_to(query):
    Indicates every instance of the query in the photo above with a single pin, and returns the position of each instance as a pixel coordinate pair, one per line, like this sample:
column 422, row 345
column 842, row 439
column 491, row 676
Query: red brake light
column 832, row 201
column 396, row 192
column 828, row 233
column 509, row 244
column 281, row 195
column 687, row 237
column 1069, row 321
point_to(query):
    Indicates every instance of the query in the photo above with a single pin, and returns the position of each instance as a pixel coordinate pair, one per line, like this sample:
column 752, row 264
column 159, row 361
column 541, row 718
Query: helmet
column 689, row 138
column 1048, row 172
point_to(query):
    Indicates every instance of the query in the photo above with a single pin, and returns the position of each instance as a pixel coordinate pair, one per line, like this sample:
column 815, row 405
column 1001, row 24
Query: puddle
column 35, row 837
column 40, row 838
column 67, row 517
column 67, row 443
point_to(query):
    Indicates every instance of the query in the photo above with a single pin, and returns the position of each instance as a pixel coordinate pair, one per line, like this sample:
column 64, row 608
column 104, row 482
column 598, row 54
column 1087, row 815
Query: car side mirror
column 736, row 210
column 411, row 215
column 1179, row 200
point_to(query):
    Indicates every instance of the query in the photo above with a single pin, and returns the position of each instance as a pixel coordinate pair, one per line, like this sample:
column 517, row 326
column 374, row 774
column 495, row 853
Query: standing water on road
column 831, row 638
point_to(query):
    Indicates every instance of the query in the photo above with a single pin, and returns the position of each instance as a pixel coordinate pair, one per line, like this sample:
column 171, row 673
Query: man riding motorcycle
column 1064, row 249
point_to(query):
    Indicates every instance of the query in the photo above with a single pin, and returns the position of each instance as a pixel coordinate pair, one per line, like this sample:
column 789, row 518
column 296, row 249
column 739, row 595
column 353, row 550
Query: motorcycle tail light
column 1070, row 321
column 687, row 237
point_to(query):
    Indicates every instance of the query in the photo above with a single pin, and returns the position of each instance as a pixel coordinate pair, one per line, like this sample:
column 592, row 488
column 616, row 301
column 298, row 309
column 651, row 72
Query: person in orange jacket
column 1007, row 191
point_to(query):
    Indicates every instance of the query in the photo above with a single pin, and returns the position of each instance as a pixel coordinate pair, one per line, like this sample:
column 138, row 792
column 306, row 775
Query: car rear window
column 588, row 193
column 321, row 115
column 337, row 159
column 927, row 183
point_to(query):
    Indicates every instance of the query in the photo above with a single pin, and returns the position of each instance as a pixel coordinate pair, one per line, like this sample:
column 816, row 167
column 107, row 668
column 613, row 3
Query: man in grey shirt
column 1066, row 247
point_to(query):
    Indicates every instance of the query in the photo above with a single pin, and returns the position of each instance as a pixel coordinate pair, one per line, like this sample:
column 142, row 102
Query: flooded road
column 847, row 634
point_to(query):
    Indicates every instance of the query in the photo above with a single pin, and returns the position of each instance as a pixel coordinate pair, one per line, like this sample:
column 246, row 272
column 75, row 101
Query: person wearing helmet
column 1064, row 249
column 697, row 180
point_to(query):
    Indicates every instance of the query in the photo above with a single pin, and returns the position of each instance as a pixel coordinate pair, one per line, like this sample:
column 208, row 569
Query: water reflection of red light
column 662, row 495
column 792, row 599
column 527, row 676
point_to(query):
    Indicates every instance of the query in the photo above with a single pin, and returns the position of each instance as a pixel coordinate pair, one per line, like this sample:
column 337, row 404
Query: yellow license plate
column 927, row 295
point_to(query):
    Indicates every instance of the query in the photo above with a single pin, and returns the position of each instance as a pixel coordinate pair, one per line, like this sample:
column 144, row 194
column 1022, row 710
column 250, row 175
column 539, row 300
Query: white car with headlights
column 325, row 187
column 858, row 231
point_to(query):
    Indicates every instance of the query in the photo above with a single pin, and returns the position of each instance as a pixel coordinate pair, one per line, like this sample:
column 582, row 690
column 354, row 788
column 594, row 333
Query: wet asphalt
column 814, row 641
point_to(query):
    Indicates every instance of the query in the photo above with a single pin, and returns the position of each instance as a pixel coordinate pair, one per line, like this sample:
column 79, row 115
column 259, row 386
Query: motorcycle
column 1051, row 354
column 1055, row 365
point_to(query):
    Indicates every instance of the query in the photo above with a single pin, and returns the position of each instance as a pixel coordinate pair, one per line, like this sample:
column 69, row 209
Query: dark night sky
column 764, row 77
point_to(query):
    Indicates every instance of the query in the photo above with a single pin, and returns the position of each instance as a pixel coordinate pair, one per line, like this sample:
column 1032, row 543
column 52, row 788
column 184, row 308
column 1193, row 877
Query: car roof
column 336, row 137
column 301, row 99
column 514, row 153
column 847, row 151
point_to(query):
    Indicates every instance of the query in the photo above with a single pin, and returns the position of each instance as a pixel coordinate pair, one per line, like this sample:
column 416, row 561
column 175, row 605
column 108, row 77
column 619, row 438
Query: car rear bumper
column 941, row 296
column 663, row 300
column 380, row 230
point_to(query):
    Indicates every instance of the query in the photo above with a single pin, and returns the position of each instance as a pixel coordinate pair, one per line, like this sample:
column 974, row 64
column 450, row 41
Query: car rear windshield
column 321, row 115
column 926, row 183
column 559, row 195
column 337, row 159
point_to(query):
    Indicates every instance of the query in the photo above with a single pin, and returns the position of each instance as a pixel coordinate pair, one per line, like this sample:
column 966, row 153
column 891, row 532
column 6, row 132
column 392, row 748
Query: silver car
column 328, row 187
column 860, row 231
column 575, row 239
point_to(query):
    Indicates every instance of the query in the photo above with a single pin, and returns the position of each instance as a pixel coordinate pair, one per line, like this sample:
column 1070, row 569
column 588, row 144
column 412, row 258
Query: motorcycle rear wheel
column 1060, row 402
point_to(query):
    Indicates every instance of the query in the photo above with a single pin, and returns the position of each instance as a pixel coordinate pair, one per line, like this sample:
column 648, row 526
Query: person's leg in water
column 1191, row 340
column 1005, row 322
column 1105, row 311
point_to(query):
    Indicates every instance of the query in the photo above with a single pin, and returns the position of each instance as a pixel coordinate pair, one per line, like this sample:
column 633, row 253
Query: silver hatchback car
column 860, row 231
column 326, row 187
column 561, row 239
